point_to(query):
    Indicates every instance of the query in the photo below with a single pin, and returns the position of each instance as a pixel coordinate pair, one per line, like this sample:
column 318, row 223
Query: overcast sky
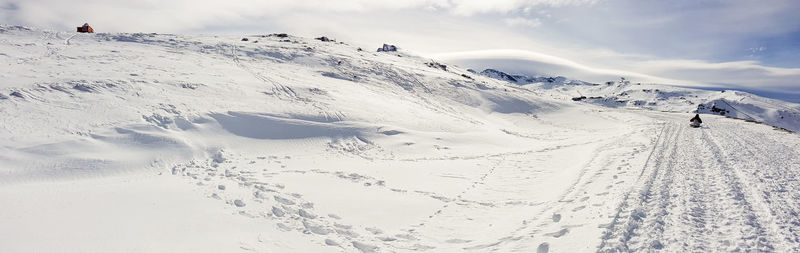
column 743, row 44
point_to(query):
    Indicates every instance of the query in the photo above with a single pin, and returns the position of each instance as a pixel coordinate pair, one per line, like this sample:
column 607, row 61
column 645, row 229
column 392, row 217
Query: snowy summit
column 140, row 142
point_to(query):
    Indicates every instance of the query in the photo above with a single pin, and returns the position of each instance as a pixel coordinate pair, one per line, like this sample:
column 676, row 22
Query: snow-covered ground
column 665, row 98
column 178, row 143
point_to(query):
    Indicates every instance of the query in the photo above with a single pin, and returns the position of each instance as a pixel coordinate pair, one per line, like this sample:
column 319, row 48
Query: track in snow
column 724, row 187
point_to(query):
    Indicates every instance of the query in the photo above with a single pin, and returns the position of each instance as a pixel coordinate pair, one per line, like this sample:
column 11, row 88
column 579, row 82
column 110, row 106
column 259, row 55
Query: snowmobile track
column 771, row 181
column 630, row 213
column 696, row 194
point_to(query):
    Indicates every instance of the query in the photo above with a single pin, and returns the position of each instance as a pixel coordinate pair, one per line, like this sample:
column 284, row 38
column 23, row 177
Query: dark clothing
column 696, row 118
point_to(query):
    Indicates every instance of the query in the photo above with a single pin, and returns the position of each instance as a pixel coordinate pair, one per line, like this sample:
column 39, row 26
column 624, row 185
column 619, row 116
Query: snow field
column 152, row 143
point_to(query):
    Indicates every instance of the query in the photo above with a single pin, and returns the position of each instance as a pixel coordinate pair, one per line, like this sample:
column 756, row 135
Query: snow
column 660, row 97
column 143, row 213
column 202, row 143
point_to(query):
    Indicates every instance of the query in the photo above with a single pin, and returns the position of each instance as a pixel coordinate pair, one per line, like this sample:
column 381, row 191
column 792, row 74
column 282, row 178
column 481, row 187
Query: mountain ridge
column 661, row 97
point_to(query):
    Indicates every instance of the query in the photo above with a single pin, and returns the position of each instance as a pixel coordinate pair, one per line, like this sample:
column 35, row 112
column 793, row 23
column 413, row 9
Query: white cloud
column 744, row 74
column 529, row 62
column 471, row 7
column 525, row 22
column 740, row 74
column 183, row 15
column 587, row 39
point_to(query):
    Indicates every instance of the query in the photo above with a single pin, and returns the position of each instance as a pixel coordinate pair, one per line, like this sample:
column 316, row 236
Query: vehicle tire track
column 690, row 200
column 754, row 235
column 712, row 213
column 770, row 172
column 624, row 233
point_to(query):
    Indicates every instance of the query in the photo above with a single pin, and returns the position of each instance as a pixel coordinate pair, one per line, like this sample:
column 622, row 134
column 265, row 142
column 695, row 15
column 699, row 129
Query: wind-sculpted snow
column 194, row 143
column 102, row 153
column 261, row 126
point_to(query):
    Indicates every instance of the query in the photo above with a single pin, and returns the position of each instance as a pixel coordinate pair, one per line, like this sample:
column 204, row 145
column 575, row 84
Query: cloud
column 535, row 63
column 748, row 75
column 712, row 29
column 525, row 22
column 183, row 15
column 741, row 74
column 710, row 42
column 472, row 7
column 9, row 6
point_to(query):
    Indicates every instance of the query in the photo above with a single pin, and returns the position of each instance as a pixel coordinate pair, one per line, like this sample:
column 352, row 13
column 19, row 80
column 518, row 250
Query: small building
column 85, row 28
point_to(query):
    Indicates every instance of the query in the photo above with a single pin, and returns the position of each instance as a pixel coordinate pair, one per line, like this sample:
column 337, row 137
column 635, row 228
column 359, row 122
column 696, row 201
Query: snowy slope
column 201, row 143
column 659, row 97
column 146, row 92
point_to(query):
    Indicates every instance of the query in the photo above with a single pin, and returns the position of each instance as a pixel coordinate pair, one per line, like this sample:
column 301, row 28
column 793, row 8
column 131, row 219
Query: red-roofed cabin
column 85, row 29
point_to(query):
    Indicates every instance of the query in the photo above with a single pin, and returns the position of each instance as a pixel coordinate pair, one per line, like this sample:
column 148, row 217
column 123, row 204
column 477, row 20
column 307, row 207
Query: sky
column 740, row 44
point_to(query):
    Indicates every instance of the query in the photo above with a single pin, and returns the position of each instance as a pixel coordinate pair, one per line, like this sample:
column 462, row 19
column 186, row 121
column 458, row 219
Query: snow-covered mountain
column 524, row 80
column 276, row 143
column 660, row 97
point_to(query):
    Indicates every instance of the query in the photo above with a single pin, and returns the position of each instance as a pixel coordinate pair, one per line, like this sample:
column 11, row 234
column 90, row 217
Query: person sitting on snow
column 696, row 121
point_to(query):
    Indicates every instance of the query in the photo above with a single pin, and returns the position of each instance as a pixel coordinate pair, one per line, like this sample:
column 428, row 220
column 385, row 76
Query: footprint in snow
column 330, row 242
column 387, row 239
column 283, row 227
column 305, row 214
column 284, row 201
column 346, row 233
column 278, row 212
column 316, row 229
column 342, row 226
column 365, row 248
column 543, row 248
column 374, row 231
column 559, row 233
